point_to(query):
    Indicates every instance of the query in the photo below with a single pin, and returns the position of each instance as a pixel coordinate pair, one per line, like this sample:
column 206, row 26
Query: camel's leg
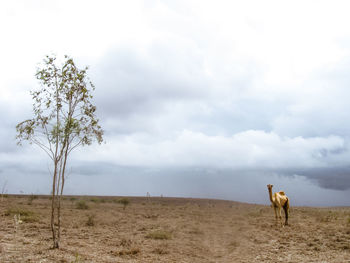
column 286, row 214
column 275, row 210
column 286, row 211
column 280, row 215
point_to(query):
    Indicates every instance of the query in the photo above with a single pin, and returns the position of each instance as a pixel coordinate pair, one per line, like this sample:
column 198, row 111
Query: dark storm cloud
column 247, row 185
column 11, row 168
column 105, row 168
column 336, row 178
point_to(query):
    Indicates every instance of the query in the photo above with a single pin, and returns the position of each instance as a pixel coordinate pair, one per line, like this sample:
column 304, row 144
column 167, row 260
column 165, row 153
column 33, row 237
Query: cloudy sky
column 197, row 98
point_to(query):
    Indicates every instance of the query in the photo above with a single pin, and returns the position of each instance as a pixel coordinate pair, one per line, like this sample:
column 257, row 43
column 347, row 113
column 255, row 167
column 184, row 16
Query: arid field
column 156, row 229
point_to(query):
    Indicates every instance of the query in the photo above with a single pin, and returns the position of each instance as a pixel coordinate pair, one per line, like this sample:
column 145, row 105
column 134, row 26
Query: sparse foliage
column 77, row 258
column 159, row 234
column 64, row 118
column 31, row 198
column 124, row 201
column 82, row 205
column 91, row 220
column 27, row 216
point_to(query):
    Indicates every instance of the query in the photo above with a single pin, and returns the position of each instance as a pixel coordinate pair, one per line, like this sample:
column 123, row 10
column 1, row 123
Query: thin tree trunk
column 53, row 205
column 56, row 160
column 58, row 196
column 62, row 177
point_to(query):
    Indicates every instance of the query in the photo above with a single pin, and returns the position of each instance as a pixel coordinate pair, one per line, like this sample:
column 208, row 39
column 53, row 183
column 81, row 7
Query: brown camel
column 279, row 200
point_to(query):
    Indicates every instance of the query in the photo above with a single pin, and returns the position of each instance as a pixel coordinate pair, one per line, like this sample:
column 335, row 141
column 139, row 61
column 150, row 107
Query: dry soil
column 170, row 230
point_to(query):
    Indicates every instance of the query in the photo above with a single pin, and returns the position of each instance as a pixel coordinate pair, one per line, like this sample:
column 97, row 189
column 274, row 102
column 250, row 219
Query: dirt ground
column 98, row 229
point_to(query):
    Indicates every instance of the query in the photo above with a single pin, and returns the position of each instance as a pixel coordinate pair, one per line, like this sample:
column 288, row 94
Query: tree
column 64, row 118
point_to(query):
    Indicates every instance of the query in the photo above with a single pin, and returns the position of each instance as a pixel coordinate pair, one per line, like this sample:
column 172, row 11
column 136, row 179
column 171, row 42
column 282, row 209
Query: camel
column 279, row 200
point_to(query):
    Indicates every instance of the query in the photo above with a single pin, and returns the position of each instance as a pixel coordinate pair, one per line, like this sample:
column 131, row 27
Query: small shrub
column 195, row 231
column 77, row 258
column 125, row 242
column 128, row 252
column 91, row 220
column 31, row 198
column 151, row 216
column 124, row 202
column 17, row 211
column 97, row 200
column 31, row 219
column 26, row 215
column 94, row 200
column 159, row 235
column 82, row 205
column 160, row 251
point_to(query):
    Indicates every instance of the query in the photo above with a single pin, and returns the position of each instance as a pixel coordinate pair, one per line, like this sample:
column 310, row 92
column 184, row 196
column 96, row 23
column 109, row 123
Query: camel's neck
column 270, row 195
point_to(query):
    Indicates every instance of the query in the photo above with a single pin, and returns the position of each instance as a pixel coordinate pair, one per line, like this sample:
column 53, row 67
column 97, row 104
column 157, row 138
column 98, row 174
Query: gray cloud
column 336, row 178
column 133, row 83
column 9, row 115
column 139, row 91
column 321, row 108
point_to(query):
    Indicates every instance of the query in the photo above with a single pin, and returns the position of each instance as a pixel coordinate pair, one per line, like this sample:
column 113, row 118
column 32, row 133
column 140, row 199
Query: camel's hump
column 282, row 193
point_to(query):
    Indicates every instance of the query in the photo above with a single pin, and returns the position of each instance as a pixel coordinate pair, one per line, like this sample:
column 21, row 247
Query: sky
column 208, row 99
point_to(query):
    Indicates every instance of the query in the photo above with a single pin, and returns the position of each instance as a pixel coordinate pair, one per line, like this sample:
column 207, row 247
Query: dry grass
column 171, row 230
column 25, row 214
column 91, row 220
column 159, row 234
column 82, row 205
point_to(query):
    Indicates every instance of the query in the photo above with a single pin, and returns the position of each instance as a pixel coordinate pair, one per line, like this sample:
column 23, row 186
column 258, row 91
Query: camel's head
column 269, row 186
